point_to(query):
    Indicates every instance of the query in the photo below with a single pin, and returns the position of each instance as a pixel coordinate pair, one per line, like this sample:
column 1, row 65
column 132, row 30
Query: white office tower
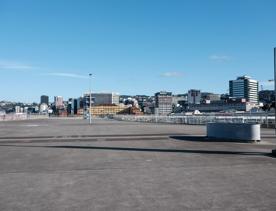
column 194, row 96
column 58, row 101
column 115, row 98
column 244, row 87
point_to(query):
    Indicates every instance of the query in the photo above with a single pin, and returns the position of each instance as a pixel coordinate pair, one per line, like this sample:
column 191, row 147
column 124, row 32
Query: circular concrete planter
column 234, row 131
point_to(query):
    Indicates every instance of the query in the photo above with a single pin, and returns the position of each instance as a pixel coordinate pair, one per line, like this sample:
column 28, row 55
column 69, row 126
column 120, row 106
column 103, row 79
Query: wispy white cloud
column 11, row 65
column 16, row 66
column 172, row 74
column 67, row 75
column 219, row 58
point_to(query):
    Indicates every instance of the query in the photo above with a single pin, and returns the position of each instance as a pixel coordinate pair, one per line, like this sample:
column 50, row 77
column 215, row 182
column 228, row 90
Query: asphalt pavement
column 68, row 164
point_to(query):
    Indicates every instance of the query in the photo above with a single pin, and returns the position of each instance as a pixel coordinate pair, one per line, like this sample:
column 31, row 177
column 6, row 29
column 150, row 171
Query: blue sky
column 132, row 46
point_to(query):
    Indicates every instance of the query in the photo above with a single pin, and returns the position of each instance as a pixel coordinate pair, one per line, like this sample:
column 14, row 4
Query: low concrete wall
column 21, row 116
column 234, row 131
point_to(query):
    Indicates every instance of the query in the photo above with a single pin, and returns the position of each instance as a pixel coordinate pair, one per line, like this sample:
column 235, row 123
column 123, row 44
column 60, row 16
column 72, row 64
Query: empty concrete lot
column 110, row 165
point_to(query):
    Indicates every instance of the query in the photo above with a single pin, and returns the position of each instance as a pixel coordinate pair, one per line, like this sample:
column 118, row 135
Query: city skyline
column 52, row 99
column 131, row 47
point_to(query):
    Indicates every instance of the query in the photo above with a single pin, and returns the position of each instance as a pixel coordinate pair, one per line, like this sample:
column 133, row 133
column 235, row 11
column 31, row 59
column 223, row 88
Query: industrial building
column 101, row 110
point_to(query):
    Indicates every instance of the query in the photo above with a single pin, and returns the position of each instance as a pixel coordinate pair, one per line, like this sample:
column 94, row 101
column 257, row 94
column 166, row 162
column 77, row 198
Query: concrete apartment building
column 244, row 87
column 163, row 103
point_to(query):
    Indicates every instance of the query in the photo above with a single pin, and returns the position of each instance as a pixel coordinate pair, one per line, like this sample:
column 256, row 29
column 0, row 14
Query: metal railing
column 264, row 119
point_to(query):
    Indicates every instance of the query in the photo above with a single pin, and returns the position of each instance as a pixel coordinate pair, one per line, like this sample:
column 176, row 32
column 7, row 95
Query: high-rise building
column 163, row 103
column 75, row 106
column 244, row 87
column 79, row 103
column 194, row 96
column 44, row 99
column 70, row 106
column 58, row 100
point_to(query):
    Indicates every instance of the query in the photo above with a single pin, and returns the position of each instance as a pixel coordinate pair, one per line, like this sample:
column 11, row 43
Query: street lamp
column 274, row 151
column 275, row 87
column 90, row 117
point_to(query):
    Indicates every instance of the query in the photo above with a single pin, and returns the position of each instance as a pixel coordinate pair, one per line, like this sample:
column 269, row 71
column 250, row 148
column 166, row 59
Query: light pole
column 275, row 87
column 274, row 150
column 90, row 117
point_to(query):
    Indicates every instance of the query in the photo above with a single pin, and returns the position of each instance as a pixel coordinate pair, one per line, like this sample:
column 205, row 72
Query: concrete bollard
column 234, row 131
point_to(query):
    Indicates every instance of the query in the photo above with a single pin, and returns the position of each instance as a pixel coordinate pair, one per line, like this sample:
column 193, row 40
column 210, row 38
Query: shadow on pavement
column 87, row 136
column 206, row 139
column 190, row 151
column 166, row 150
